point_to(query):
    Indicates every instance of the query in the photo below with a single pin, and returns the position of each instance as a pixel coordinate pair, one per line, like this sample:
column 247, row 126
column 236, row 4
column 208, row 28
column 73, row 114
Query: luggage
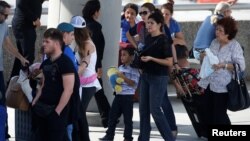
column 193, row 100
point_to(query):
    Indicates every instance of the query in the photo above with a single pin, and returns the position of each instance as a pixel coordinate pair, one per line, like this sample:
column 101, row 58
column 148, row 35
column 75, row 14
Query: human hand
column 218, row 66
column 99, row 72
column 120, row 74
column 146, row 58
column 24, row 62
column 37, row 22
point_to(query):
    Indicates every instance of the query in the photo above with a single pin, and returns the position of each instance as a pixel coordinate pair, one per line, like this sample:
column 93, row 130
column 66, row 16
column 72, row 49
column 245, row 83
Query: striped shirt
column 132, row 74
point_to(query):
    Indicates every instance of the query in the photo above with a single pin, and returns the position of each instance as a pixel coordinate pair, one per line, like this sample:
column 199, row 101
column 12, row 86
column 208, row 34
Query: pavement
column 185, row 128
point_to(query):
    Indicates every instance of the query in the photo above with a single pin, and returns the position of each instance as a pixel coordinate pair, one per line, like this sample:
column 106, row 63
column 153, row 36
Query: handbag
column 238, row 96
column 15, row 97
column 136, row 63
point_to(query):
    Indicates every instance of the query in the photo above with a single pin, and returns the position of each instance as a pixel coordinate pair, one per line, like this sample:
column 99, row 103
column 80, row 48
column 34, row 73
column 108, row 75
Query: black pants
column 217, row 108
column 122, row 104
column 87, row 94
column 102, row 104
column 25, row 43
column 53, row 127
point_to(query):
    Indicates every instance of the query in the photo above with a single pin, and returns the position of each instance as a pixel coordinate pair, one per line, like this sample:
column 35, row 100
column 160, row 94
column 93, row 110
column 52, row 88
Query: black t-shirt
column 53, row 83
column 158, row 47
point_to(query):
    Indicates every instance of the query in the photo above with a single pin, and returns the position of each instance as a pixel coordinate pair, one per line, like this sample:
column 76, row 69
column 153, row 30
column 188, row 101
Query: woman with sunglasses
column 140, row 28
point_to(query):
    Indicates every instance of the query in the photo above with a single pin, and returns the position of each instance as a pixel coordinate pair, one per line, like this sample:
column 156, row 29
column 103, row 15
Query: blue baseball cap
column 65, row 27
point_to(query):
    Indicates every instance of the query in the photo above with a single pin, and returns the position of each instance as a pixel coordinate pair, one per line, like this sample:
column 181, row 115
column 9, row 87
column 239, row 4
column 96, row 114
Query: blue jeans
column 169, row 112
column 152, row 91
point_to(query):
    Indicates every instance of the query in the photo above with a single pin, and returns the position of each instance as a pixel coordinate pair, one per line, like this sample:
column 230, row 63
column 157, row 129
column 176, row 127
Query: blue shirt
column 125, row 26
column 174, row 27
column 132, row 74
column 68, row 52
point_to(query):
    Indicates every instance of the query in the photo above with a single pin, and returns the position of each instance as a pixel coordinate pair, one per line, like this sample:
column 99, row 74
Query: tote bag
column 238, row 98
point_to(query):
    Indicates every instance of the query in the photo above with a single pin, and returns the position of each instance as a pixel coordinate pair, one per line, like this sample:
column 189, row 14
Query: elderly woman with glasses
column 229, row 52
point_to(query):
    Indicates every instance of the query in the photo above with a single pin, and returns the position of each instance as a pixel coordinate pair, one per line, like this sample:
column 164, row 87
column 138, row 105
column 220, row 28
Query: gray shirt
column 230, row 53
column 3, row 34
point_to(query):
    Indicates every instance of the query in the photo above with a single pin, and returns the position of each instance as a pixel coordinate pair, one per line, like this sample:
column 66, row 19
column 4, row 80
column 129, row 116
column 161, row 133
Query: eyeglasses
column 5, row 15
column 143, row 13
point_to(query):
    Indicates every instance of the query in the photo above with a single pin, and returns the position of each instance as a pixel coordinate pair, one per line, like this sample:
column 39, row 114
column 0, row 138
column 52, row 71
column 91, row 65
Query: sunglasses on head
column 143, row 13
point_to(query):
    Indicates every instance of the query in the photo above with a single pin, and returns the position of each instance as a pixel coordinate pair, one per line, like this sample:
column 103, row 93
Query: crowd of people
column 70, row 78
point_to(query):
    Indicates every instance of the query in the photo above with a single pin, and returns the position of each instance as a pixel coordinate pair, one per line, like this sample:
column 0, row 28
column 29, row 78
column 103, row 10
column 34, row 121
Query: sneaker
column 106, row 138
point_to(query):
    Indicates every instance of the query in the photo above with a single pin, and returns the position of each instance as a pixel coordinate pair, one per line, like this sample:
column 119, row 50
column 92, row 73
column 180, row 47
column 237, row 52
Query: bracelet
column 225, row 66
column 85, row 63
column 175, row 63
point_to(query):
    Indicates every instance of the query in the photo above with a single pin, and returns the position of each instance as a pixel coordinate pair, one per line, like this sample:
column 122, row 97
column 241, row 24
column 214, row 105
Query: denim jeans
column 152, row 91
column 169, row 112
column 122, row 104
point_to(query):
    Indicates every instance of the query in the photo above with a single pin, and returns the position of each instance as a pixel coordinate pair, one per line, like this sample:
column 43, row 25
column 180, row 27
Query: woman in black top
column 156, row 58
column 91, row 13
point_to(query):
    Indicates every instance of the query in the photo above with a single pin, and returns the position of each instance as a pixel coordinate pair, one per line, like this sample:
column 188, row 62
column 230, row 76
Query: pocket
column 43, row 110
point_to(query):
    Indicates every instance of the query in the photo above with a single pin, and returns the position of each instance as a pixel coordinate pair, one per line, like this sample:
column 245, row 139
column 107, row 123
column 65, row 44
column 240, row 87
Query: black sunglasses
column 143, row 13
column 5, row 15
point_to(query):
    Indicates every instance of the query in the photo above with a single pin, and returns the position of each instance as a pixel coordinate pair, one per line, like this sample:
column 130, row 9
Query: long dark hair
column 90, row 8
column 157, row 17
column 81, row 36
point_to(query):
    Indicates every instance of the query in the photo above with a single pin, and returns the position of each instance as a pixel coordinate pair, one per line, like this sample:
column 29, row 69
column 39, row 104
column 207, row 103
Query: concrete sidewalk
column 185, row 128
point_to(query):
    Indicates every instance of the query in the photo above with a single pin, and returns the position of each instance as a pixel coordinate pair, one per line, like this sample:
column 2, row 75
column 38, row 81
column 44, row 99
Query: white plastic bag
column 207, row 64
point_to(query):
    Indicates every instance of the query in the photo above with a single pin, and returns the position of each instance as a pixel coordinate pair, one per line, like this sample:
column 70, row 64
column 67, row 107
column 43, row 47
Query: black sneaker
column 106, row 138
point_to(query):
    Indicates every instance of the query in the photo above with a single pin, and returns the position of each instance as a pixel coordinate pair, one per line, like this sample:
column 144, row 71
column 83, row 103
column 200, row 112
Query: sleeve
column 68, row 52
column 98, row 39
column 66, row 66
column 136, row 76
column 176, row 26
column 133, row 30
column 237, row 56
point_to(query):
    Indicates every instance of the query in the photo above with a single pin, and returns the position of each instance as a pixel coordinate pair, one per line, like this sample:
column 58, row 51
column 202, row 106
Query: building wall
column 189, row 29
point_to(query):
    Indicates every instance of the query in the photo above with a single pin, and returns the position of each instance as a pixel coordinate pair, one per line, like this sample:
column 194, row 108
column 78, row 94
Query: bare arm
column 179, row 39
column 131, row 39
column 165, row 62
column 13, row 51
column 68, row 86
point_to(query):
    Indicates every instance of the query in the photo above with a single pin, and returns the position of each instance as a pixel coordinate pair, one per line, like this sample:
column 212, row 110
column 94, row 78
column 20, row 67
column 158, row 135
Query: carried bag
column 15, row 97
column 238, row 96
column 136, row 63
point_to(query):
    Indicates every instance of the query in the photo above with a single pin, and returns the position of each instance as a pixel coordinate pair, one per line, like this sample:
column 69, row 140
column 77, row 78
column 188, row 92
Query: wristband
column 85, row 63
column 225, row 66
